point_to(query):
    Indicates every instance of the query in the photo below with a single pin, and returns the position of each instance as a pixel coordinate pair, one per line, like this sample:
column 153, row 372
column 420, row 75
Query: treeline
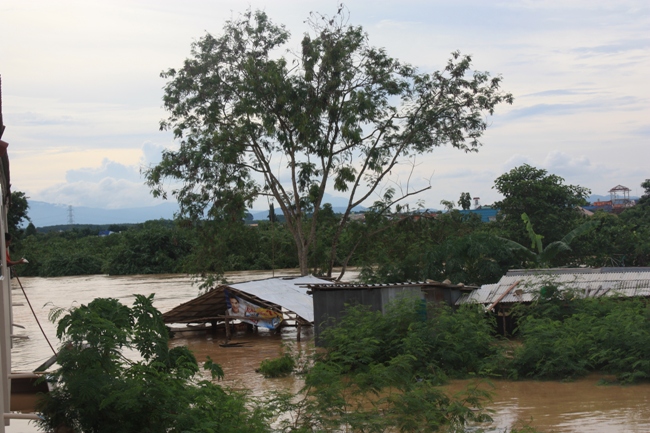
column 156, row 247
column 388, row 246
column 453, row 246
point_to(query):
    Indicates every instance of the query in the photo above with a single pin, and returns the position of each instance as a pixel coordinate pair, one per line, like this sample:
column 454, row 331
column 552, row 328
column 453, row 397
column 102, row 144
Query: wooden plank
column 503, row 295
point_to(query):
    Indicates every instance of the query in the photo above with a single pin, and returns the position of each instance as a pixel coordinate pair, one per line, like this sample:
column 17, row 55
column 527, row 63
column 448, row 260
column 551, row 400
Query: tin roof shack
column 331, row 300
column 524, row 286
column 445, row 292
column 268, row 303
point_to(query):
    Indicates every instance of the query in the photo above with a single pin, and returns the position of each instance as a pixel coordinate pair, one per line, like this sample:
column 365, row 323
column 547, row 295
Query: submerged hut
column 331, row 300
column 525, row 286
column 270, row 303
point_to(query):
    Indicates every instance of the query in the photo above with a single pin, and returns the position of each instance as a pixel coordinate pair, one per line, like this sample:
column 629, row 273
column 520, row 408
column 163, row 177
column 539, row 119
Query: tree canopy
column 17, row 213
column 646, row 194
column 98, row 389
column 339, row 114
column 551, row 205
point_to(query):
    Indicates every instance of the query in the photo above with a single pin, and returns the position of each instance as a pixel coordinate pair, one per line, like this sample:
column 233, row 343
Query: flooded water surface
column 580, row 406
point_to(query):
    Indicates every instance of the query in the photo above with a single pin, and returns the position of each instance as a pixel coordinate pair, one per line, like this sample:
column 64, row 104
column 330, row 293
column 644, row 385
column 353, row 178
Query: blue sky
column 82, row 93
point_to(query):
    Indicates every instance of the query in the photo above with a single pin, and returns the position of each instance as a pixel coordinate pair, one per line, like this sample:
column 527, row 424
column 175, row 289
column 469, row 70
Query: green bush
column 278, row 367
column 74, row 264
column 153, row 248
column 99, row 390
column 441, row 343
column 564, row 337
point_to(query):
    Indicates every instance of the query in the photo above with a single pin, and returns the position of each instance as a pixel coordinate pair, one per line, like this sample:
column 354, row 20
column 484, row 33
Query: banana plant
column 540, row 256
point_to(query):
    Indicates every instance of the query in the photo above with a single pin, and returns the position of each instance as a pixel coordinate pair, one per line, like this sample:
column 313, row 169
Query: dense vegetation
column 98, row 389
column 390, row 248
column 157, row 247
column 559, row 336
column 379, row 372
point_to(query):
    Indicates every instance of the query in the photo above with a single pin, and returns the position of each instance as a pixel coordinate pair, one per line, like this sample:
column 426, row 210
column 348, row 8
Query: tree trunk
column 303, row 261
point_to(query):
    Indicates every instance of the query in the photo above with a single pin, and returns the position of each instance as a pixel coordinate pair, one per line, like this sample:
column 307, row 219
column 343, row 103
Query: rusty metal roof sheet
column 590, row 282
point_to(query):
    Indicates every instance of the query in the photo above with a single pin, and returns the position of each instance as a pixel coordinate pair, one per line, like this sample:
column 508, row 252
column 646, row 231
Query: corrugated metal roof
column 588, row 282
column 362, row 286
column 290, row 293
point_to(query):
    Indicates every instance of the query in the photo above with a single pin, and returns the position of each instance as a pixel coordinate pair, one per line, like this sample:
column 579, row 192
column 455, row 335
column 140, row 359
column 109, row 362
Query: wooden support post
column 299, row 329
column 213, row 324
column 227, row 330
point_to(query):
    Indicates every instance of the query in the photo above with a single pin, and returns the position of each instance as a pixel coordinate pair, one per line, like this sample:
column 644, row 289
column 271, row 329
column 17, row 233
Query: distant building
column 618, row 202
column 487, row 213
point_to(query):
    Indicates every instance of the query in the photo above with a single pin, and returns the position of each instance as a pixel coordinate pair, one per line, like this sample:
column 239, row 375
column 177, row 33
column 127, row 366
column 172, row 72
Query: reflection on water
column 580, row 406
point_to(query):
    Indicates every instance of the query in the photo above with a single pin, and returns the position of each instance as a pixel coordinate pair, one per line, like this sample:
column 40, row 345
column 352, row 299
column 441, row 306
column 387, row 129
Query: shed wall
column 330, row 304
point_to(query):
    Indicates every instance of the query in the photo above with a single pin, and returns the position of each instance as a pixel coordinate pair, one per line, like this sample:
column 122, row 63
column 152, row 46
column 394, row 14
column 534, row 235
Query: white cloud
column 152, row 153
column 108, row 170
column 111, row 185
column 107, row 193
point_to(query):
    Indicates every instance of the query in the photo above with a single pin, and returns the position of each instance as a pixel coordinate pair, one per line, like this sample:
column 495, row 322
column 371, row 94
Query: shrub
column 99, row 390
column 278, row 367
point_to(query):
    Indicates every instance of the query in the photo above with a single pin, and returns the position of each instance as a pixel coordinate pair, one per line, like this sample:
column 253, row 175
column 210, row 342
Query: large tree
column 339, row 114
column 551, row 205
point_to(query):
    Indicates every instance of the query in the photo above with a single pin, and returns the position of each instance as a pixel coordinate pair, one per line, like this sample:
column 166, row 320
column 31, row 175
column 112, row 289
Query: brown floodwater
column 579, row 406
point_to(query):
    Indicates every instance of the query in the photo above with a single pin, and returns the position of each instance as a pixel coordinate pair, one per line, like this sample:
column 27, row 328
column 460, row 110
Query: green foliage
column 278, row 367
column 619, row 240
column 541, row 257
column 465, row 201
column 479, row 258
column 645, row 198
column 17, row 214
column 560, row 335
column 549, row 203
column 30, row 230
column 565, row 337
column 392, row 399
column 453, row 246
column 97, row 389
column 159, row 247
column 446, row 344
column 380, row 372
column 552, row 349
column 63, row 254
column 149, row 249
column 73, row 264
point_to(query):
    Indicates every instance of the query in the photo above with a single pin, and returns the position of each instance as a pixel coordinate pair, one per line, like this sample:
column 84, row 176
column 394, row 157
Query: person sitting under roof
column 7, row 245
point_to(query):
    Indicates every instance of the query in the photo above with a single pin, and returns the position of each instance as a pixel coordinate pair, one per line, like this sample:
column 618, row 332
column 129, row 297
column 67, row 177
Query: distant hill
column 45, row 214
